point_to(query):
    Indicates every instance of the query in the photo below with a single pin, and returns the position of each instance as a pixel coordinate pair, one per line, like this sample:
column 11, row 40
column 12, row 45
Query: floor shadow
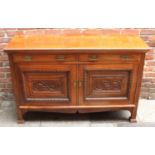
column 99, row 116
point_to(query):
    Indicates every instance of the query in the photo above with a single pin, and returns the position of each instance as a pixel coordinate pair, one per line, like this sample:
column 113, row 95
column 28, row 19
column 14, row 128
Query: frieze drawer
column 109, row 57
column 44, row 58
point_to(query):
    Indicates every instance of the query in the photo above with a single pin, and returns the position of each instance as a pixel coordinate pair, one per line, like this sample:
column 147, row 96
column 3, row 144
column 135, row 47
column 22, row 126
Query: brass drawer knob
column 124, row 57
column 60, row 57
column 27, row 58
column 93, row 58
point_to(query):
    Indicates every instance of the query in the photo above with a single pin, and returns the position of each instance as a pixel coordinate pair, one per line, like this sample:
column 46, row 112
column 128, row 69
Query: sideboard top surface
column 46, row 42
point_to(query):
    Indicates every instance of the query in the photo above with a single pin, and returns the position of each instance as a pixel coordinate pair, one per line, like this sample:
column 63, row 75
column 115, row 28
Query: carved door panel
column 107, row 84
column 47, row 84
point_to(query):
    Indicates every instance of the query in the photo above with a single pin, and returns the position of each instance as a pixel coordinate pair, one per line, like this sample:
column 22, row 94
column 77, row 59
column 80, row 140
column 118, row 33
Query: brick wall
column 148, row 84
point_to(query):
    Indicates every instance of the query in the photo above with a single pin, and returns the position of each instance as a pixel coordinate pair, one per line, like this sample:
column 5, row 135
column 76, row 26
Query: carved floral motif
column 47, row 85
column 101, row 85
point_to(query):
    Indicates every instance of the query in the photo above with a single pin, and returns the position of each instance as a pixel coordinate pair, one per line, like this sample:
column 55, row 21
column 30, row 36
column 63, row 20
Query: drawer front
column 108, row 57
column 44, row 58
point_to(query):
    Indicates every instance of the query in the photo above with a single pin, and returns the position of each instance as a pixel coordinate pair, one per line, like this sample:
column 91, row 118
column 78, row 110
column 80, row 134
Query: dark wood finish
column 91, row 79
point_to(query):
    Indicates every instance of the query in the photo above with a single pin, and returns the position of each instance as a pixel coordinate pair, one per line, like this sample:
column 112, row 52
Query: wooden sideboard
column 76, row 73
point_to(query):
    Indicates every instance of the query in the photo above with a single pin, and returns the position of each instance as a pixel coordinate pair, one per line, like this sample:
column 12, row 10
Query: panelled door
column 47, row 84
column 107, row 84
column 69, row 85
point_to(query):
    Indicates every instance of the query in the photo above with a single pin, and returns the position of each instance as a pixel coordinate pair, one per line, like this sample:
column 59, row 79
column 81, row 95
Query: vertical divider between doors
column 81, row 88
column 77, row 79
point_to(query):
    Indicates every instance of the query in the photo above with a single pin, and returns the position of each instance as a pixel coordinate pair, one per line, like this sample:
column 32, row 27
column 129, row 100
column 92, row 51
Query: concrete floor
column 146, row 118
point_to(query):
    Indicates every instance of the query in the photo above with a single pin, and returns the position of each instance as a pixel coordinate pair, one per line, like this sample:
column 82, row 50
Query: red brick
column 11, row 33
column 53, row 31
column 6, row 90
column 145, row 38
column 150, row 63
column 111, row 31
column 149, row 74
column 151, row 96
column 146, row 80
column 2, row 46
column 8, row 75
column 101, row 31
column 147, row 32
column 152, row 85
column 130, row 31
column 1, row 40
column 21, row 29
column 4, row 54
column 152, row 90
column 33, row 31
column 149, row 57
column 71, row 31
column 148, row 69
column 5, row 63
column 92, row 32
column 151, row 51
column 148, row 85
column 2, row 85
column 151, row 41
column 9, row 85
column 4, row 69
column 20, row 32
column 144, row 88
column 3, row 58
column 144, row 95
column 2, row 33
column 3, row 80
column 4, row 40
column 2, row 75
column 13, row 29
